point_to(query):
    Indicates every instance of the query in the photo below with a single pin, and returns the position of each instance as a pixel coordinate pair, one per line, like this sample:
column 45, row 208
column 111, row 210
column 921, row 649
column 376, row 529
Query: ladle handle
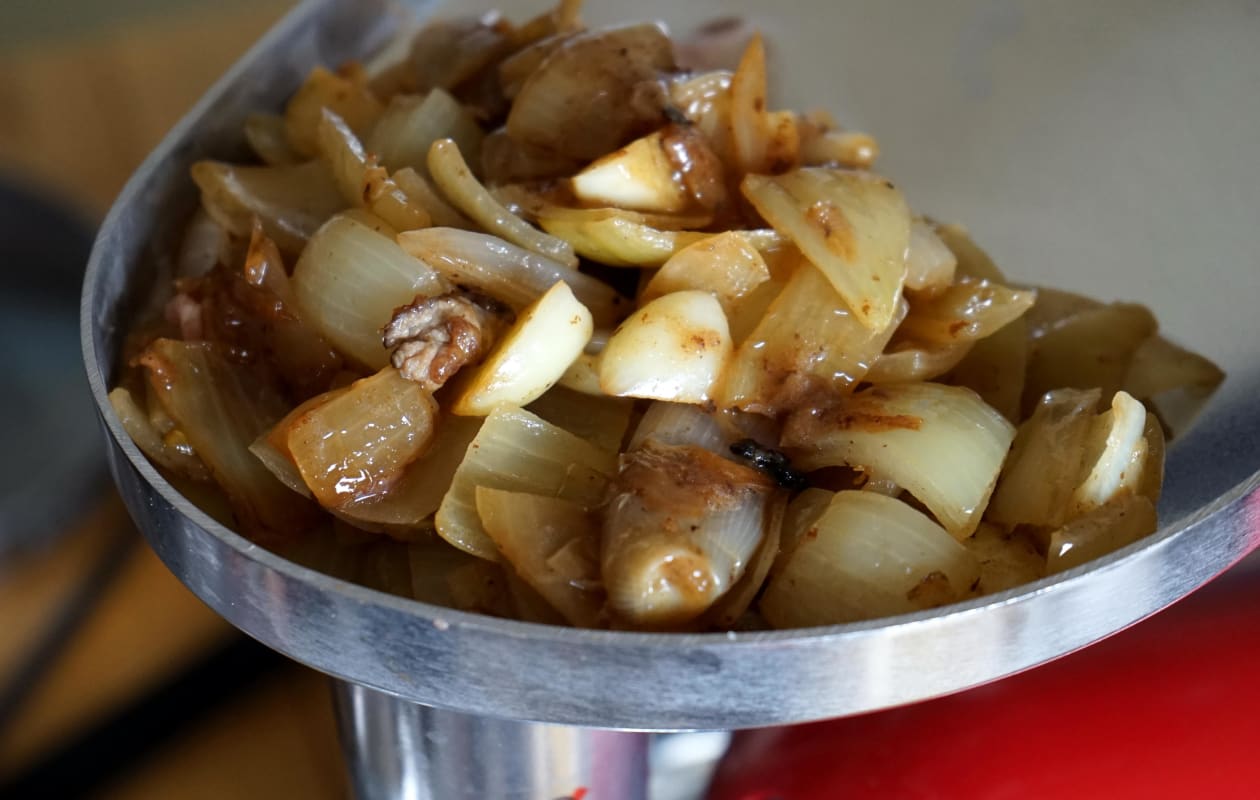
column 397, row 750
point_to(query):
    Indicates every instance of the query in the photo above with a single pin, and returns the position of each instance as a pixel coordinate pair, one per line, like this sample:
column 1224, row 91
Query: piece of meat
column 433, row 337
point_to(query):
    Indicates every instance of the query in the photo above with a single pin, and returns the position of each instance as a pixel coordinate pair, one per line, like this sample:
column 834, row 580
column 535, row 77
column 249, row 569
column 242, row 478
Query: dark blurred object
column 84, row 766
column 1169, row 708
column 53, row 464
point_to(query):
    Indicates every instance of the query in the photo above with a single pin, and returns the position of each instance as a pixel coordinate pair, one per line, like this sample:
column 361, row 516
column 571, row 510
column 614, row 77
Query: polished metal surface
column 398, row 750
column 485, row 666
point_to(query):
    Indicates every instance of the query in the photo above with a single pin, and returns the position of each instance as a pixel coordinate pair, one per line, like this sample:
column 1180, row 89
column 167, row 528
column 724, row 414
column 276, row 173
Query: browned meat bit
column 435, row 336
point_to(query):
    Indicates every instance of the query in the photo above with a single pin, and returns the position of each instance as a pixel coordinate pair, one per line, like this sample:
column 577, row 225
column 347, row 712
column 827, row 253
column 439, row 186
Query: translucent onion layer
column 941, row 443
column 518, row 451
column 867, row 556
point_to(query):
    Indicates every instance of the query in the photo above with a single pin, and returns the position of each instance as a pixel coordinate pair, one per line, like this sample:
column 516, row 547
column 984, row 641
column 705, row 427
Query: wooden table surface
column 77, row 115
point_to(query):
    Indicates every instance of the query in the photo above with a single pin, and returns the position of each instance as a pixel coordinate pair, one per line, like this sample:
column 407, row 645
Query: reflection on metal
column 396, row 749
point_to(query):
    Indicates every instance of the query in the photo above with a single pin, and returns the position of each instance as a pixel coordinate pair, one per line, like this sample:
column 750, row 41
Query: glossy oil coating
column 494, row 667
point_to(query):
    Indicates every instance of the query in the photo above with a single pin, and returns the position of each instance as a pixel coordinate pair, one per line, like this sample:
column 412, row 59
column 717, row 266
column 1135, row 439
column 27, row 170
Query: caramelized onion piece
column 347, row 95
column 222, row 408
column 291, row 201
column 679, row 531
column 356, row 446
column 807, row 348
column 575, row 103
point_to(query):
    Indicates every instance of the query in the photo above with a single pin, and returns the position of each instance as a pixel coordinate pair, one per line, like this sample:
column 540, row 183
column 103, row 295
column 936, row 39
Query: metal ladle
column 435, row 703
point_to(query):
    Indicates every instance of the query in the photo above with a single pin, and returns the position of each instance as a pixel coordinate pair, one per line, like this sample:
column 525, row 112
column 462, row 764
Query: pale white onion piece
column 290, row 201
column 867, row 556
column 615, row 237
column 350, row 279
column 854, row 226
column 639, row 176
column 454, row 177
column 411, row 124
column 531, row 355
column 1118, row 467
column 880, row 485
column 506, row 272
column 836, row 148
column 1044, row 467
column 942, row 443
column 680, row 424
column 520, row 452
column 679, row 530
column 930, row 264
column 531, row 531
column 674, row 348
column 727, row 265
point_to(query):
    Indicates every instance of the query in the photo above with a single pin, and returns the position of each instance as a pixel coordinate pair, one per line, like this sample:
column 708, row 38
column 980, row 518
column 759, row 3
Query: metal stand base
column 397, row 750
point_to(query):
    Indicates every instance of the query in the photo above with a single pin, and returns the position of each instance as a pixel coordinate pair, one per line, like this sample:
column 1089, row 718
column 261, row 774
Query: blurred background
column 114, row 680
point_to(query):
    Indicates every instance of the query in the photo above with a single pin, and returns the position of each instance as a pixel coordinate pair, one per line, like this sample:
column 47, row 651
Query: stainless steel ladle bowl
column 1105, row 150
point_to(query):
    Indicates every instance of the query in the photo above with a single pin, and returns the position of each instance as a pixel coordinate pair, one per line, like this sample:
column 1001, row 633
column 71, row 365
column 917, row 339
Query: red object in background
column 1167, row 709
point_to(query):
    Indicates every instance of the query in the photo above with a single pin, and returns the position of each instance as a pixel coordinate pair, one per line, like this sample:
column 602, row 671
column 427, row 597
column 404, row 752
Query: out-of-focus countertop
column 80, row 106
